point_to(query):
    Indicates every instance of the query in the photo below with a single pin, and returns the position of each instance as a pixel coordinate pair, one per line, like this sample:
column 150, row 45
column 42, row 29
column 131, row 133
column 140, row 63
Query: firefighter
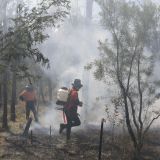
column 29, row 96
column 70, row 109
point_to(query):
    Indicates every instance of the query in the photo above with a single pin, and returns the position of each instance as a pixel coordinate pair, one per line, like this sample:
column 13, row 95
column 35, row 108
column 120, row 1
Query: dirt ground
column 84, row 144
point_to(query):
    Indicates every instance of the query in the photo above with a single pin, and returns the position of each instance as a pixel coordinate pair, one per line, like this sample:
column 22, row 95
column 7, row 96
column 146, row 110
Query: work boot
column 62, row 127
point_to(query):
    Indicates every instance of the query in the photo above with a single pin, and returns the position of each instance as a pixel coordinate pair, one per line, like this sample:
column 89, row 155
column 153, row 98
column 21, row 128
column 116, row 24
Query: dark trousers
column 30, row 106
column 72, row 121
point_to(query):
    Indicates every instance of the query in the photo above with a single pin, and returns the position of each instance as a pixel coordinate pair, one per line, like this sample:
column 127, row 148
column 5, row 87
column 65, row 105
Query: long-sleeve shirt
column 73, row 101
column 28, row 95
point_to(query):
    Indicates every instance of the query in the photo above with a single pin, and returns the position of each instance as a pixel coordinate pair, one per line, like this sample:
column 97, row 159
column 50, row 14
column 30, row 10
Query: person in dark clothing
column 70, row 109
column 29, row 96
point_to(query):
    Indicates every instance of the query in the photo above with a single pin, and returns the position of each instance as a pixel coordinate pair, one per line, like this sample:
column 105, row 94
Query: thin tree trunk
column 137, row 154
column 5, row 99
column 26, row 130
column 85, row 95
column 50, row 89
column 41, row 93
column 89, row 7
column 5, row 75
column 13, row 101
column 0, row 96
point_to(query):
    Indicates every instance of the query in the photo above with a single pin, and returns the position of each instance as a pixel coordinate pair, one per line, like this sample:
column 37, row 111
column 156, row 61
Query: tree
column 13, row 98
column 127, row 62
column 5, row 72
column 19, row 43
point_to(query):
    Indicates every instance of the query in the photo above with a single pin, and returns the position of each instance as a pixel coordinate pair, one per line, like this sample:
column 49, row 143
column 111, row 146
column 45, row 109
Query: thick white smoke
column 69, row 48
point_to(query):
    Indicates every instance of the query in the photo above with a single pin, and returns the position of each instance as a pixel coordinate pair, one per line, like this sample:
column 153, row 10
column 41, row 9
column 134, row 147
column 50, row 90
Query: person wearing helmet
column 70, row 109
column 29, row 96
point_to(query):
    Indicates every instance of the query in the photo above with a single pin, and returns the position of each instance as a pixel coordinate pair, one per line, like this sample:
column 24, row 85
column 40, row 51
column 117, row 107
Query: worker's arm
column 22, row 95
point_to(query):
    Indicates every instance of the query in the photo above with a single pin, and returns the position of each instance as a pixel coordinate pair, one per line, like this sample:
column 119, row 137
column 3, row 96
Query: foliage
column 27, row 30
column 126, row 60
column 19, row 42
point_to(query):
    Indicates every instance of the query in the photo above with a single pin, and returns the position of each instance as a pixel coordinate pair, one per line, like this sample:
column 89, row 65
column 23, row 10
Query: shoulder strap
column 69, row 95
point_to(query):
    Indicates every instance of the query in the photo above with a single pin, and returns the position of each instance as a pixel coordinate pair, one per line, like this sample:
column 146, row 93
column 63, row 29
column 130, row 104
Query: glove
column 21, row 98
column 80, row 104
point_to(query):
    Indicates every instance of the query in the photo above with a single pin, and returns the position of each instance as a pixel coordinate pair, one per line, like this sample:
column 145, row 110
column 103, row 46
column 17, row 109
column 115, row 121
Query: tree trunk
column 50, row 89
column 5, row 75
column 5, row 99
column 85, row 95
column 0, row 96
column 13, row 100
column 41, row 93
column 137, row 154
column 89, row 7
column 26, row 130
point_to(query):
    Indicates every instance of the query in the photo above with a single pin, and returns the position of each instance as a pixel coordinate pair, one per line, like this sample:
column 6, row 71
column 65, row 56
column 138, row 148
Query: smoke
column 50, row 119
column 72, row 44
column 69, row 48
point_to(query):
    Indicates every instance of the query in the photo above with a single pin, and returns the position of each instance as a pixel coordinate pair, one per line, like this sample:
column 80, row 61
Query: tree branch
column 147, row 128
column 140, row 94
column 130, row 70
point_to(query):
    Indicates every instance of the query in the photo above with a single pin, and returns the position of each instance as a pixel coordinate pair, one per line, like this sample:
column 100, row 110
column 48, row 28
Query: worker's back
column 28, row 95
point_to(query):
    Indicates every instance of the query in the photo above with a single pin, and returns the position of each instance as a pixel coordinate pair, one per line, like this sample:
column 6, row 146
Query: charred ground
column 84, row 144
